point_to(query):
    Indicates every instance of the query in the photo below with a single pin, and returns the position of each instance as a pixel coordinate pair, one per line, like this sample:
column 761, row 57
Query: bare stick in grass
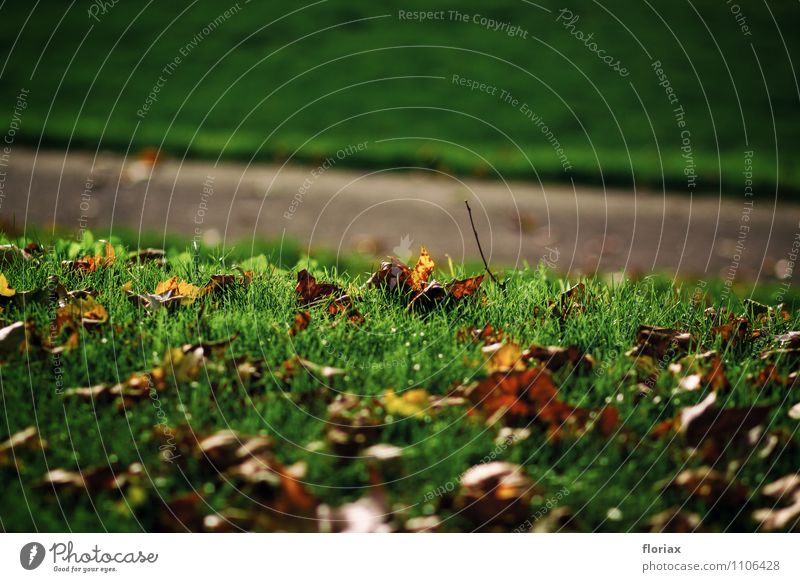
column 480, row 249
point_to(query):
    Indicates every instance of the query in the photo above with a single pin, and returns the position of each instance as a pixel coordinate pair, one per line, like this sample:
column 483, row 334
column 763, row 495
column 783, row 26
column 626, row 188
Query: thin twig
column 480, row 249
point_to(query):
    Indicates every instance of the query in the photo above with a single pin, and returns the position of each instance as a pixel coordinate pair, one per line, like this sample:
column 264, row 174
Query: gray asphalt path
column 576, row 230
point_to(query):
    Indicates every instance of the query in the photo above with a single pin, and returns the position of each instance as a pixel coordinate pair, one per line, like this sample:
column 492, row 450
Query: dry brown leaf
column 661, row 342
column 785, row 490
column 310, row 291
column 13, row 338
column 459, row 289
column 301, row 321
column 291, row 366
column 25, row 440
column 370, row 514
column 352, row 425
column 90, row 264
column 674, row 520
column 486, row 334
column 790, row 339
column 556, row 357
column 706, row 421
column 709, row 486
column 496, row 493
column 529, row 395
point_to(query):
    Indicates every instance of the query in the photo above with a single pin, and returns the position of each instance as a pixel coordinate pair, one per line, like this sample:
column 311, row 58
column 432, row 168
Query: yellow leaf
column 188, row 291
column 111, row 256
column 422, row 270
column 503, row 357
column 410, row 403
column 86, row 311
column 5, row 290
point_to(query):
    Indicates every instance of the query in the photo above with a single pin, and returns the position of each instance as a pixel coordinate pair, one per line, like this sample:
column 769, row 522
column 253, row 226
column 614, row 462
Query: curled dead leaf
column 661, row 342
column 706, row 421
column 13, row 338
column 24, row 440
column 309, row 291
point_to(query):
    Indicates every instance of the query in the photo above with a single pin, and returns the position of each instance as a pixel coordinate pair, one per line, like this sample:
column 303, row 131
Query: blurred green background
column 299, row 81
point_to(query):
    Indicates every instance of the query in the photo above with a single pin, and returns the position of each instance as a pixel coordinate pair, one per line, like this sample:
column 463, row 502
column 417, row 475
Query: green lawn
column 590, row 438
column 275, row 82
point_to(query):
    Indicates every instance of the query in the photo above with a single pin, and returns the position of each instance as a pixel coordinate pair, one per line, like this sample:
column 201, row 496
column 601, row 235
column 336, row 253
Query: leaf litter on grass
column 514, row 387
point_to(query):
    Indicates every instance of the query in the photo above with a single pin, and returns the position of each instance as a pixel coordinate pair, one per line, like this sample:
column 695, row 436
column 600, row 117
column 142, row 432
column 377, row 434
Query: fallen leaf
column 352, row 425
column 730, row 328
column 369, row 514
column 25, row 440
column 486, row 334
column 12, row 338
column 85, row 311
column 383, row 452
column 301, row 321
column 556, row 357
column 172, row 288
column 707, row 421
column 503, row 357
column 674, row 520
column 707, row 485
column 519, row 394
column 5, row 289
column 227, row 448
column 529, row 395
column 786, row 490
column 90, row 264
column 422, row 270
column 459, row 289
column 711, row 375
column 290, row 367
column 409, row 403
column 496, row 493
column 10, row 254
column 691, row 382
column 149, row 255
column 790, row 339
column 91, row 480
column 423, row 524
column 569, row 302
column 661, row 342
column 394, row 275
column 310, row 291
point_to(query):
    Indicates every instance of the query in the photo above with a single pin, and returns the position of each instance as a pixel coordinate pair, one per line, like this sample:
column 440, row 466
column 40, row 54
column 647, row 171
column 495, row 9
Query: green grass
column 393, row 349
column 273, row 85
